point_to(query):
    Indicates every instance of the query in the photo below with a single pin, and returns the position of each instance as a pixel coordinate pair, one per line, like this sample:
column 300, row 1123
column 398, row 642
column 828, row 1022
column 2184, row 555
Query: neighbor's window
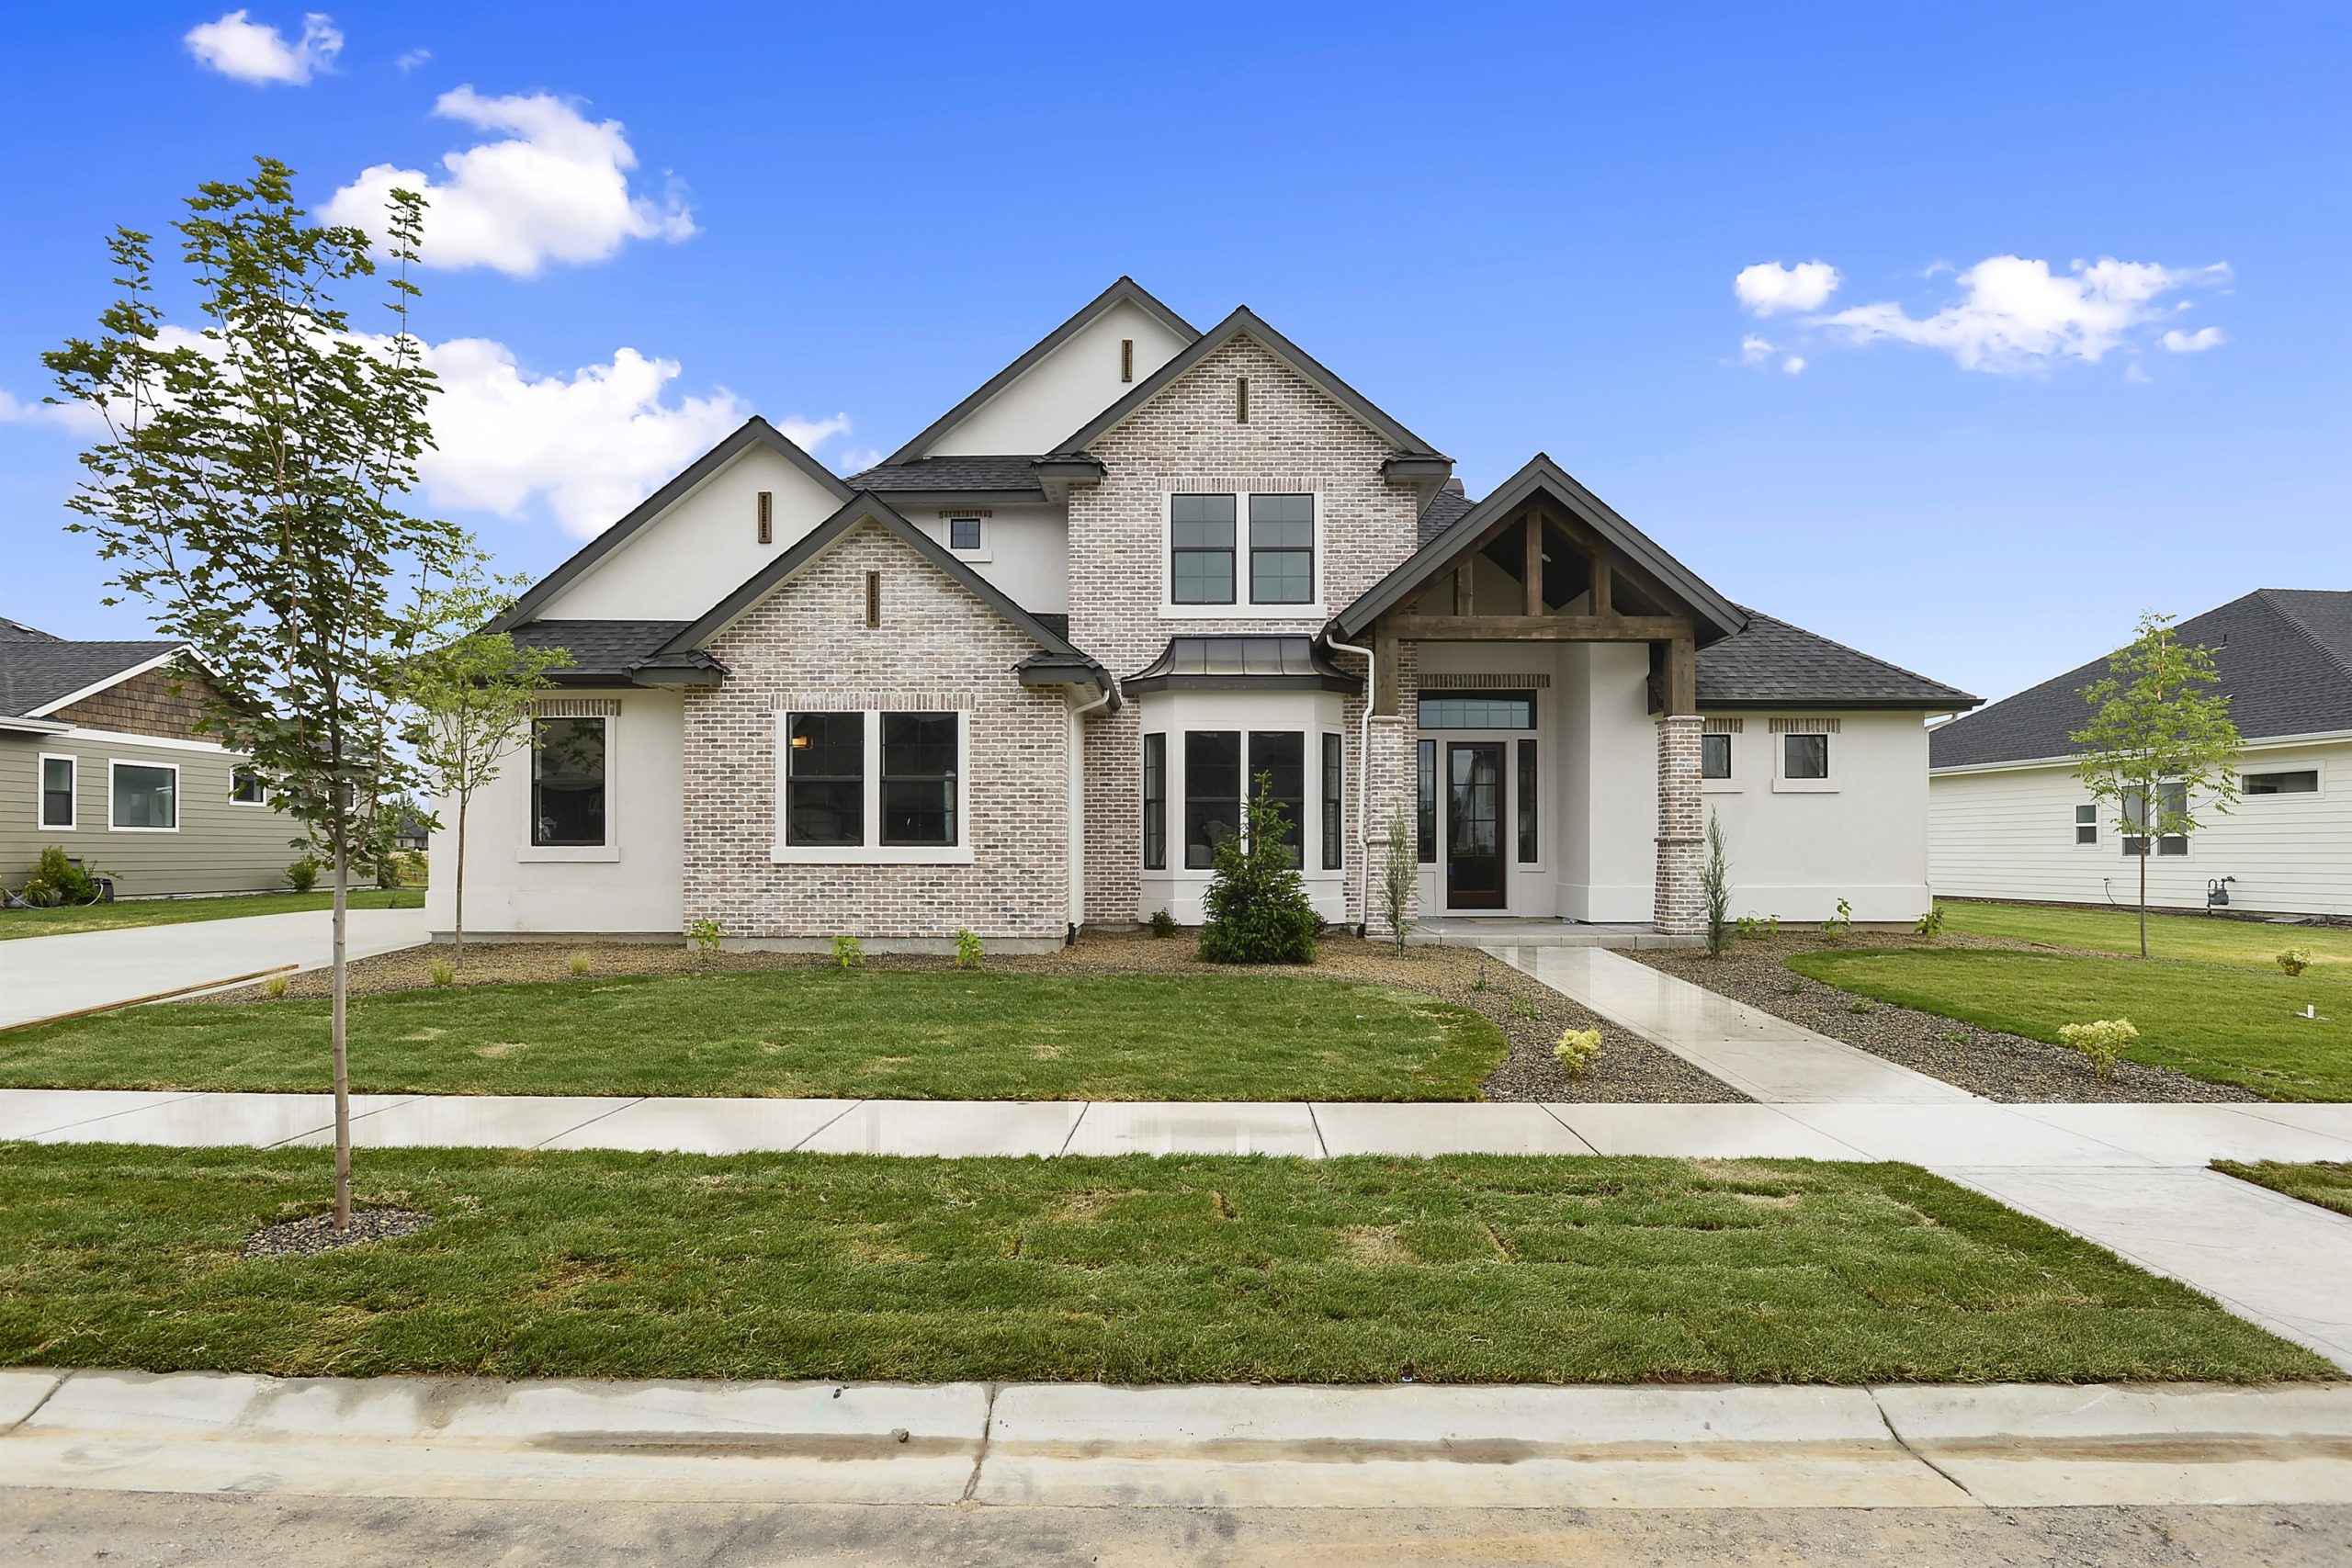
column 1201, row 535
column 824, row 781
column 1525, row 805
column 919, row 778
column 146, row 798
column 2172, row 799
column 1477, row 710
column 1155, row 802
column 1425, row 819
column 2303, row 781
column 964, row 534
column 1212, row 793
column 57, row 774
column 1281, row 550
column 245, row 787
column 1280, row 758
column 567, row 783
column 1714, row 756
column 2086, row 824
column 1334, row 810
column 1804, row 756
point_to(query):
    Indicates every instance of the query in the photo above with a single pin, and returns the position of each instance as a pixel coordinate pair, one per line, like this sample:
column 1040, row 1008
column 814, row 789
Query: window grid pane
column 1212, row 793
column 1477, row 710
column 919, row 778
column 1155, row 802
column 964, row 534
column 1202, row 541
column 1278, row 760
column 1525, row 805
column 1334, row 799
column 568, row 783
column 1426, row 822
column 824, row 790
column 1281, row 550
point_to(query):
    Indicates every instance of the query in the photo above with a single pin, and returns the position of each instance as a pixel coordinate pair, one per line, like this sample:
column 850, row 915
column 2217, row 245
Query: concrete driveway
column 43, row 975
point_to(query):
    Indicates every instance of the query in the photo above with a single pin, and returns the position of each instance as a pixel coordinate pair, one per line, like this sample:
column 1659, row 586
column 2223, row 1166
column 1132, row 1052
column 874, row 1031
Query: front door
column 1473, row 824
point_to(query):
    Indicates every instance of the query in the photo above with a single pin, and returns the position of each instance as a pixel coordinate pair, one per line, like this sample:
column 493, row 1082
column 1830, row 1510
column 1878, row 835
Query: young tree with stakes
column 248, row 486
column 470, row 701
column 2156, row 741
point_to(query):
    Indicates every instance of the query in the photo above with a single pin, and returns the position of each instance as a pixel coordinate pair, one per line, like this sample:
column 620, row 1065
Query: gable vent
column 767, row 517
column 1126, row 360
column 873, row 598
column 1241, row 400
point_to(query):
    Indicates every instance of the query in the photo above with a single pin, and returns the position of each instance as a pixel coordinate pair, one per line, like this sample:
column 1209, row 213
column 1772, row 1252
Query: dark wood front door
column 1473, row 824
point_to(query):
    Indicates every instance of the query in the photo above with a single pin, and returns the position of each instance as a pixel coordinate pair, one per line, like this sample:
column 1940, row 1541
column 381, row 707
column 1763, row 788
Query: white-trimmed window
column 963, row 534
column 59, row 776
column 568, row 784
column 246, row 788
column 2086, row 824
column 144, row 797
column 2290, row 781
column 1803, row 759
column 873, row 786
column 1714, row 756
column 1242, row 553
column 2172, row 801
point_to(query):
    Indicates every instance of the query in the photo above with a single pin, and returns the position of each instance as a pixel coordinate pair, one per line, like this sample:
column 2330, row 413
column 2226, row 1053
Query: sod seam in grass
column 15, row 924
column 2324, row 1183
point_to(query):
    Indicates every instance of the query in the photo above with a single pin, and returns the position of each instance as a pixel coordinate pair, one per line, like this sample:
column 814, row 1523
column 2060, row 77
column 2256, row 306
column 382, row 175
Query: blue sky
column 1516, row 228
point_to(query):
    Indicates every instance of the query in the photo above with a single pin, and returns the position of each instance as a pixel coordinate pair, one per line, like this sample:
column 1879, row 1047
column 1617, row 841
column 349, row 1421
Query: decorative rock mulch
column 1983, row 1061
column 1531, row 1014
column 302, row 1238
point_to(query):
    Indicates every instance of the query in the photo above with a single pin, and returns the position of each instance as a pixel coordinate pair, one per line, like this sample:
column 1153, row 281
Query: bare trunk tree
column 340, row 1031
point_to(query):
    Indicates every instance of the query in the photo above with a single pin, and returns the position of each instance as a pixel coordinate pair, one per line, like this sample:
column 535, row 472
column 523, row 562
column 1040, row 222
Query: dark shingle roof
column 18, row 631
column 1774, row 664
column 601, row 651
column 981, row 473
column 37, row 671
column 2284, row 655
column 1445, row 509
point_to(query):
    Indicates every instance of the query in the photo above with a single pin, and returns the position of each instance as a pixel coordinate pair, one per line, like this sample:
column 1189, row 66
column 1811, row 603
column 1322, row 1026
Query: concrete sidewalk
column 1090, row 1446
column 41, row 976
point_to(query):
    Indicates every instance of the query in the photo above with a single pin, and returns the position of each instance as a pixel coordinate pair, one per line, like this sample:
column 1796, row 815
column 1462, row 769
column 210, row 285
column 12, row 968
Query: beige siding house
column 100, row 756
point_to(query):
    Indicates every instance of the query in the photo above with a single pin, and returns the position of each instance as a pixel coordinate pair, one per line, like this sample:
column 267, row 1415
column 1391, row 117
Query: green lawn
column 2223, row 1024
column 2245, row 943
column 2324, row 1183
column 17, row 923
column 1131, row 1270
column 879, row 1034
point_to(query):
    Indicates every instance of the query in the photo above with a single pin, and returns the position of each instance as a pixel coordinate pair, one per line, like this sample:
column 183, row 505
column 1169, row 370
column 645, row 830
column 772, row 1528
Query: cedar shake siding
column 145, row 704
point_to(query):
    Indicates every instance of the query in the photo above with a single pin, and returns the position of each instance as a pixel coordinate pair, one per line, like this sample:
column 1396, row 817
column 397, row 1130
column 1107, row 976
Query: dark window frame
column 956, row 539
column 1789, row 745
column 794, row 777
column 1335, row 800
column 1179, row 552
column 1425, row 801
column 1478, row 709
column 952, row 779
column 1708, row 746
column 1307, row 551
column 542, row 832
column 1526, row 809
column 1155, row 801
column 1200, row 850
column 1296, row 799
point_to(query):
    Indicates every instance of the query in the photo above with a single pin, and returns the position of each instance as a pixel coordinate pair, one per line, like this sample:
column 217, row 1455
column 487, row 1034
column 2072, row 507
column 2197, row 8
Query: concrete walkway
column 41, row 976
column 1089, row 1445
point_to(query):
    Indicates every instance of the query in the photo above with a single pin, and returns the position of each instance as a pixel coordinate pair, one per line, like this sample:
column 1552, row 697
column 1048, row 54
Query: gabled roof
column 1773, row 664
column 2284, row 655
column 12, row 631
column 614, row 653
column 1715, row 614
column 1126, row 290
column 865, row 507
column 960, row 476
column 1244, row 322
column 753, row 432
column 39, row 672
column 1445, row 509
column 1241, row 662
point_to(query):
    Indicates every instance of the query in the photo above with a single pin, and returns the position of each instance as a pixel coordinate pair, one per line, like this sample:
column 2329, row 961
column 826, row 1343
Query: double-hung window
column 568, row 784
column 1201, row 540
column 871, row 785
column 58, row 775
column 2086, row 824
column 144, row 797
column 1281, row 550
column 2172, row 802
column 1334, row 798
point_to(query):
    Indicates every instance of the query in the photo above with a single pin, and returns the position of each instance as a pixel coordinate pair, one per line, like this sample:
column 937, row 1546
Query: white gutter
column 1363, row 779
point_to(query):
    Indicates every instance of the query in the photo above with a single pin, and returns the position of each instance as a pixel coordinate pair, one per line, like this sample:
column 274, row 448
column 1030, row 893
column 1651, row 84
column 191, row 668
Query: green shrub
column 1525, row 1009
column 703, row 935
column 2295, row 960
column 1932, row 924
column 1836, row 927
column 967, row 949
column 1256, row 904
column 303, row 874
column 1578, row 1049
column 581, row 964
column 2102, row 1040
column 273, row 987
column 57, row 880
column 1753, row 926
column 850, row 953
column 1714, row 888
column 1162, row 923
column 442, row 972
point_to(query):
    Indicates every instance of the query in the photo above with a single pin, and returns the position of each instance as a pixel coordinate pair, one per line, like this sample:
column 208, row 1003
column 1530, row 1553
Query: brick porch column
column 1390, row 772
column 1678, row 909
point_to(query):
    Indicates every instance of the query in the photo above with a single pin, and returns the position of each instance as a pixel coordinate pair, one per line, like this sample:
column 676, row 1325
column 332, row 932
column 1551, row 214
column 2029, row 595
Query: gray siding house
column 99, row 755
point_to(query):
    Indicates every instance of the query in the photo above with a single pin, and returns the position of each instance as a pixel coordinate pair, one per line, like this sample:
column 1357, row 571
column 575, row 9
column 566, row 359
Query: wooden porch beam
column 1602, row 588
column 1532, row 576
column 1682, row 677
column 1538, row 628
column 1464, row 598
column 1383, row 675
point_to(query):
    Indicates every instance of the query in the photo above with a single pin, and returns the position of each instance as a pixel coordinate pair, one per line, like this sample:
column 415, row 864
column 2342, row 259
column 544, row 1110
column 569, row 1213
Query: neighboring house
column 2009, row 819
column 99, row 755
column 1018, row 677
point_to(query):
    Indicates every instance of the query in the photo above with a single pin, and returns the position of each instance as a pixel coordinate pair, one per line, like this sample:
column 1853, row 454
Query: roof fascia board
column 1245, row 322
column 1831, row 704
column 961, row 497
column 2246, row 743
column 754, row 431
column 15, row 725
column 1125, row 289
column 116, row 679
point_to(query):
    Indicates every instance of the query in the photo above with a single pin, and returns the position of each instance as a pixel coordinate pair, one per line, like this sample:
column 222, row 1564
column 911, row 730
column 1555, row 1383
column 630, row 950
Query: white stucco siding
column 1796, row 848
column 1609, row 797
column 635, row 887
column 1023, row 550
column 1058, row 394
column 2010, row 833
column 704, row 547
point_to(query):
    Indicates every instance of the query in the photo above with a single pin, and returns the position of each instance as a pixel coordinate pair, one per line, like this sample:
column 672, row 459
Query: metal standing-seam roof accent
column 2284, row 655
column 1776, row 665
column 1221, row 663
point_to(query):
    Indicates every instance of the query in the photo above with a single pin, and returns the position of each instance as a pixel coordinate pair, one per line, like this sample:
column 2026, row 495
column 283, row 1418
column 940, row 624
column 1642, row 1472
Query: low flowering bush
column 1578, row 1049
column 2102, row 1040
column 2295, row 960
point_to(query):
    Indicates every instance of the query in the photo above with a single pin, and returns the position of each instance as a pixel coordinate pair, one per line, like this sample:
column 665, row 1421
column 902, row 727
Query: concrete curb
column 1090, row 1446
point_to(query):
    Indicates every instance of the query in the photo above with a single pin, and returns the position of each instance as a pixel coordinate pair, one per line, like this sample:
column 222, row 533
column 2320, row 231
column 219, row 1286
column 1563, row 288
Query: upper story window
column 2299, row 781
column 568, row 783
column 1200, row 532
column 1714, row 756
column 1281, row 550
column 1248, row 551
column 963, row 533
column 1804, row 756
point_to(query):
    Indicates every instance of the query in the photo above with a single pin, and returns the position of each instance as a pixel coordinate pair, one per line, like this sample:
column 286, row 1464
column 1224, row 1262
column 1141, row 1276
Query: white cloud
column 554, row 188
column 856, row 460
column 254, row 51
column 79, row 418
column 1769, row 288
column 2137, row 374
column 411, row 60
column 2015, row 315
column 1754, row 350
column 1793, row 364
column 2178, row 342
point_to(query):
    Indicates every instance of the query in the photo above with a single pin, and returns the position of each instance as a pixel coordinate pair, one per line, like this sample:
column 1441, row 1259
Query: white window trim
column 236, row 768
column 2074, row 828
column 1783, row 784
column 2120, row 845
column 1243, row 608
column 2315, row 768
column 983, row 552
column 178, row 804
column 610, row 850
column 874, row 851
column 1733, row 784
column 73, row 795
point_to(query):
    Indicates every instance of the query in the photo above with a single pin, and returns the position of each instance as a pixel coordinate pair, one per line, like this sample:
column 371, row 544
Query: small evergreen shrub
column 967, row 949
column 2102, row 1040
column 1162, row 923
column 1578, row 1049
column 1715, row 888
column 1256, row 904
column 1400, row 870
column 442, row 972
column 303, row 874
column 2295, row 960
column 850, row 953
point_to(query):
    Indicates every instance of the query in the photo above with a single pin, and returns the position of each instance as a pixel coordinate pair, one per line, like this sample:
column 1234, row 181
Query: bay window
column 1155, row 802
column 1334, row 802
column 1212, row 793
column 1278, row 760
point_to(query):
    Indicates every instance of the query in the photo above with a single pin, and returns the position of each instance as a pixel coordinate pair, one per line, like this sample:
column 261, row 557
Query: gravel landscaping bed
column 1983, row 1061
column 1630, row 1069
column 302, row 1238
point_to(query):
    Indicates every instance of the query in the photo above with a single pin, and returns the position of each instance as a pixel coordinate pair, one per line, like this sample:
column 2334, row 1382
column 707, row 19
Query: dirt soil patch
column 1997, row 1065
column 1531, row 1014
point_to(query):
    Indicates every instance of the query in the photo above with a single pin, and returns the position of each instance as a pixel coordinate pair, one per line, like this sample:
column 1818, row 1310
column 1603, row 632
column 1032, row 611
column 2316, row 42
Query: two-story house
column 1018, row 677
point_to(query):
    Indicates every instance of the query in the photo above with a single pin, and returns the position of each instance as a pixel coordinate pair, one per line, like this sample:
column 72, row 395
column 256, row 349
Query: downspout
column 1363, row 779
column 1077, row 716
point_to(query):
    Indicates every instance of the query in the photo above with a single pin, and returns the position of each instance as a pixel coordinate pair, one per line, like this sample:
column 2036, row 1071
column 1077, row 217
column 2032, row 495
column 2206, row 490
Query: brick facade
column 1680, row 909
column 938, row 649
column 1188, row 438
column 145, row 704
